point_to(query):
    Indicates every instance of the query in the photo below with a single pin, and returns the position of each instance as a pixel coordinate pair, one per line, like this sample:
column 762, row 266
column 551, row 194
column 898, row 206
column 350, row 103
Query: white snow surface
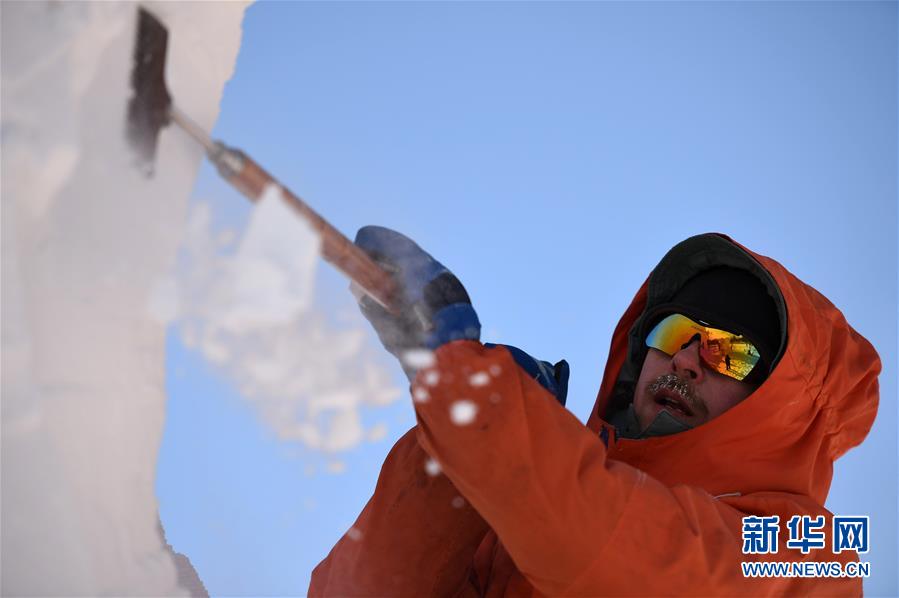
column 86, row 238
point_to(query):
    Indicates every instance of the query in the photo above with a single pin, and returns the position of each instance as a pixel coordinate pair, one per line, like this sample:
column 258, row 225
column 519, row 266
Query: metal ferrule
column 228, row 161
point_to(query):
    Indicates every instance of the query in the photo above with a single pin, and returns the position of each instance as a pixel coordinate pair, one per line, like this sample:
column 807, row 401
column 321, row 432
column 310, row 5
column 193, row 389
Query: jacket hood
column 819, row 400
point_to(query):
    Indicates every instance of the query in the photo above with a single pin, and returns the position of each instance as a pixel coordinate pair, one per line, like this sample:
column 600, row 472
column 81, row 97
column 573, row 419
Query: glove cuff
column 452, row 323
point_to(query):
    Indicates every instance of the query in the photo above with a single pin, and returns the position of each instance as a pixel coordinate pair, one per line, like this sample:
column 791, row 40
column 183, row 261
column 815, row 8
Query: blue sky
column 548, row 153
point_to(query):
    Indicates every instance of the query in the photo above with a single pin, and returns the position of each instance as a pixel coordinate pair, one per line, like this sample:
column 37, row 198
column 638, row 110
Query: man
column 730, row 389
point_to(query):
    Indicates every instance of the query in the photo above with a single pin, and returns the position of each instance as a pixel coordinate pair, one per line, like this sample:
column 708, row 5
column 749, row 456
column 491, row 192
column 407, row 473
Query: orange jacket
column 550, row 509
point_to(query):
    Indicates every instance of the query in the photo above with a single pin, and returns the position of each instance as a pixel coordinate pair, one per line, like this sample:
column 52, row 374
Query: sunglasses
column 724, row 352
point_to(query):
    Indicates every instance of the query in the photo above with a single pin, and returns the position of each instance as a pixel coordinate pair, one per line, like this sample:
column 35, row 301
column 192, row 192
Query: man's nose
column 688, row 362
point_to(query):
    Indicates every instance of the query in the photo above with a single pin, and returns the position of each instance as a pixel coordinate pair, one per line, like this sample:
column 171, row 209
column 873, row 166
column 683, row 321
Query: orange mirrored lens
column 725, row 352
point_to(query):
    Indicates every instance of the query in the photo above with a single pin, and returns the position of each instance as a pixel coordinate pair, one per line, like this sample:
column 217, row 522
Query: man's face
column 690, row 391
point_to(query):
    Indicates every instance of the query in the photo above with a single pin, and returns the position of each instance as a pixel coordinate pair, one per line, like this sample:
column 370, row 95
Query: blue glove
column 553, row 378
column 434, row 306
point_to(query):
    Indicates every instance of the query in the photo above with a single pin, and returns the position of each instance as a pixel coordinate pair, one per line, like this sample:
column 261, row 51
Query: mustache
column 682, row 387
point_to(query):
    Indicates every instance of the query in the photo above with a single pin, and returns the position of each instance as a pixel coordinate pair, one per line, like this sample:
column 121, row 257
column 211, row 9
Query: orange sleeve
column 411, row 539
column 573, row 521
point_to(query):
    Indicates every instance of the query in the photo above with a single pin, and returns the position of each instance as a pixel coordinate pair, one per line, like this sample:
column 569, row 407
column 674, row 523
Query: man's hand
column 435, row 308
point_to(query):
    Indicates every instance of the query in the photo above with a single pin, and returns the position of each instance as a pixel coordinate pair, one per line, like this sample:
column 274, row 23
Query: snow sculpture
column 85, row 237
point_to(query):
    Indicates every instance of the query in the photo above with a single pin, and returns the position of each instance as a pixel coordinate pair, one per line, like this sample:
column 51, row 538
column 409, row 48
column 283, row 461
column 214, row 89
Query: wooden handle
column 251, row 179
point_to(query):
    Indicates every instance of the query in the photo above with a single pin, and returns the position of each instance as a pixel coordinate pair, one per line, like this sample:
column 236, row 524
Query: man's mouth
column 671, row 392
